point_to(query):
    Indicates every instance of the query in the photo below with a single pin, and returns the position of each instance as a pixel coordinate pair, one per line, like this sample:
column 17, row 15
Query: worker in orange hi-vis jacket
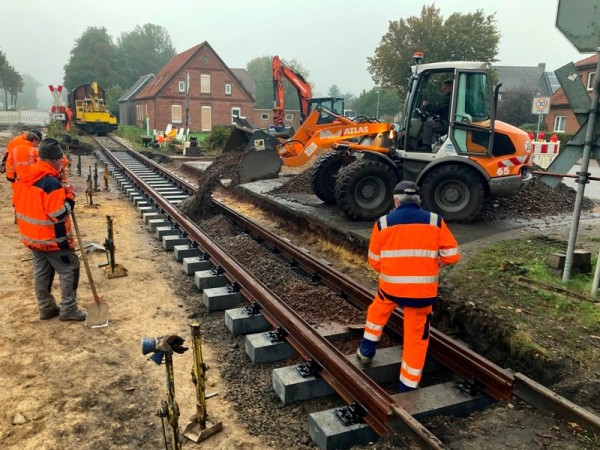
column 21, row 139
column 407, row 247
column 43, row 206
column 22, row 155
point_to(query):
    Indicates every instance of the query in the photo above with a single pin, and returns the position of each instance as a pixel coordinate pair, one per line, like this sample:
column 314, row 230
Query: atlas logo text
column 355, row 130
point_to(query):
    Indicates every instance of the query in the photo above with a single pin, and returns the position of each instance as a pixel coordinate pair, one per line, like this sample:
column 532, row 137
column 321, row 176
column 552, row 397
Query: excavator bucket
column 260, row 160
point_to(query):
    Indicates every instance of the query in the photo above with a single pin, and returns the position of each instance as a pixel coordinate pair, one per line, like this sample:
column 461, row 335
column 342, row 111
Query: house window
column 205, row 60
column 264, row 116
column 289, row 117
column 182, row 86
column 235, row 112
column 590, row 83
column 206, row 118
column 560, row 124
column 205, row 84
column 176, row 116
column 227, row 88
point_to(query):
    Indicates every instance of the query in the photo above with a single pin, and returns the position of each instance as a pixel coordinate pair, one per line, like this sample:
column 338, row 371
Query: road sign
column 578, row 21
column 56, row 95
column 541, row 105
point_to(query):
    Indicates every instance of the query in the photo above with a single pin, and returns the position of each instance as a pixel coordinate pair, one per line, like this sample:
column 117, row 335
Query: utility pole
column 187, row 105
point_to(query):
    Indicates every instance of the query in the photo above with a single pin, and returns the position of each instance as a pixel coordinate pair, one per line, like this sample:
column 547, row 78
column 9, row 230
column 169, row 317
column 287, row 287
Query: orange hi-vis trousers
column 416, row 335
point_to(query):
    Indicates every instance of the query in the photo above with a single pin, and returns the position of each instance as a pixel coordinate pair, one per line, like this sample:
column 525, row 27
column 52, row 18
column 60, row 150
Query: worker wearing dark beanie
column 50, row 149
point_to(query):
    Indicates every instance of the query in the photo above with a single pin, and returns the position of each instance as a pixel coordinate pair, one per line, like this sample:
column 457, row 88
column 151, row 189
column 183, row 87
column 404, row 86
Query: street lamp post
column 377, row 113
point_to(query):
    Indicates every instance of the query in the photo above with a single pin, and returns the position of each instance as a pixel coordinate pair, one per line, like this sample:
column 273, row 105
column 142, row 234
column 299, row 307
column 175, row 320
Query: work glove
column 70, row 192
column 176, row 343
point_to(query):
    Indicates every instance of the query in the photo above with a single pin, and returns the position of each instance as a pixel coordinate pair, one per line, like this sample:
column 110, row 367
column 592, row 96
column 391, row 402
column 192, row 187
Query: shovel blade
column 194, row 432
column 97, row 315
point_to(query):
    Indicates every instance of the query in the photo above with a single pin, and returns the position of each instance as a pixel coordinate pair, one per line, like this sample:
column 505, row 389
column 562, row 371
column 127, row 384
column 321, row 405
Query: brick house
column 561, row 119
column 215, row 93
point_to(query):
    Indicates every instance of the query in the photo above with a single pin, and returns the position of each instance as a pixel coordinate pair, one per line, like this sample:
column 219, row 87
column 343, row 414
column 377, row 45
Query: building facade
column 194, row 90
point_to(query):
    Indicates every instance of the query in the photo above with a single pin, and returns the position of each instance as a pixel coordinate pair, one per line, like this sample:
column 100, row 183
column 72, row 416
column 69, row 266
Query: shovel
column 97, row 312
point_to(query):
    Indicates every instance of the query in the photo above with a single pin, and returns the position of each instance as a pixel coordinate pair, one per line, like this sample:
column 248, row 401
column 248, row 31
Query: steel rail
column 346, row 379
column 494, row 380
column 497, row 382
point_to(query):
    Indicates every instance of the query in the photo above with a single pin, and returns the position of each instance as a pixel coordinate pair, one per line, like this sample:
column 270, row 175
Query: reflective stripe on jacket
column 42, row 209
column 406, row 248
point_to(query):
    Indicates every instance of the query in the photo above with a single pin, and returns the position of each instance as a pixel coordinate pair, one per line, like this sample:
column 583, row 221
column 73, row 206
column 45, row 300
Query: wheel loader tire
column 364, row 190
column 453, row 191
column 323, row 176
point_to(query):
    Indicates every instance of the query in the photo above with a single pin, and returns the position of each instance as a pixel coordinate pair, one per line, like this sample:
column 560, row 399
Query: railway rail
column 379, row 409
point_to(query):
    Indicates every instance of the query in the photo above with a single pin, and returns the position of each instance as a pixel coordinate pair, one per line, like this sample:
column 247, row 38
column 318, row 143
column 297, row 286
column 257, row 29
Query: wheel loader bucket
column 239, row 136
column 260, row 160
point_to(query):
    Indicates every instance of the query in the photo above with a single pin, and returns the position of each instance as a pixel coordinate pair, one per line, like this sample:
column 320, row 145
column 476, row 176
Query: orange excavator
column 322, row 124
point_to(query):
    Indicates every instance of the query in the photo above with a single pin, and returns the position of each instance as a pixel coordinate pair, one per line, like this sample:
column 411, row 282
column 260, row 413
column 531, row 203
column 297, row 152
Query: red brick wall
column 205, row 62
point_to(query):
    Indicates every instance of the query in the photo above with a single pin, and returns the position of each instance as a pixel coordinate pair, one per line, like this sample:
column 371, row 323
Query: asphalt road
column 592, row 189
column 309, row 207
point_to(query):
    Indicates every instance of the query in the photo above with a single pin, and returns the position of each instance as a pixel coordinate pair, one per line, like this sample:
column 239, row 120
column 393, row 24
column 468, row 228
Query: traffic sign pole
column 583, row 175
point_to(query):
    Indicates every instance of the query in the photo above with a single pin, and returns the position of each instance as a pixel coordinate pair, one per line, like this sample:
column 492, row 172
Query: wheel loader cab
column 424, row 87
column 471, row 113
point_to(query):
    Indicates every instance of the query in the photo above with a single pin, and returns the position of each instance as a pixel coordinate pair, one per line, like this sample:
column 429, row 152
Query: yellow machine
column 90, row 112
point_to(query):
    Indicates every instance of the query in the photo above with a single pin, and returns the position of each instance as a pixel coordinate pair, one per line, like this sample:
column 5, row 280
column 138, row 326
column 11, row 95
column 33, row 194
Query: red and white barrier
column 545, row 152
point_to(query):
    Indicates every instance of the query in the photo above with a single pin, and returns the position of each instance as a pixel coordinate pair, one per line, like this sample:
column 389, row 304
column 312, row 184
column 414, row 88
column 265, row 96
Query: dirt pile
column 198, row 206
column 536, row 201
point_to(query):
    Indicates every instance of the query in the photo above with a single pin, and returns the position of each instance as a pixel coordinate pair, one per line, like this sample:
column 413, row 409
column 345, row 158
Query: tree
column 29, row 98
column 515, row 107
column 144, row 50
column 11, row 82
column 92, row 59
column 461, row 37
column 113, row 93
column 383, row 104
column 261, row 71
column 334, row 91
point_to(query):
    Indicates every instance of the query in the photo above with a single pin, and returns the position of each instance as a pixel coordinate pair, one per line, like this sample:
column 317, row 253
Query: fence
column 28, row 117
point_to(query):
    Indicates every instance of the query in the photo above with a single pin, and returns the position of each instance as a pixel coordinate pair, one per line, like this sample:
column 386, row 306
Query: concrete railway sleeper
column 156, row 193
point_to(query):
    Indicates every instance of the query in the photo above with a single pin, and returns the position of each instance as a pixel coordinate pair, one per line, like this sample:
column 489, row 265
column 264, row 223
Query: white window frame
column 205, row 60
column 590, row 81
column 181, row 87
column 227, row 88
column 206, row 124
column 558, row 121
column 236, row 111
column 289, row 117
column 264, row 116
column 174, row 113
column 205, row 84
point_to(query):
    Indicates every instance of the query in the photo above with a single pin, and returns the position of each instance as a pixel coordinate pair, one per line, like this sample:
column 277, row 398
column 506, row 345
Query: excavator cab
column 334, row 104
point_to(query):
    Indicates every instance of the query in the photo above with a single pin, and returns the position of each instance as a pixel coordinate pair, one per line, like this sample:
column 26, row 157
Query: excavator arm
column 281, row 71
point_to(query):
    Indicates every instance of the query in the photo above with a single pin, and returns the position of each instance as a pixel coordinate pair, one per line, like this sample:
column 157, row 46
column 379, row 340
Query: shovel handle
column 84, row 257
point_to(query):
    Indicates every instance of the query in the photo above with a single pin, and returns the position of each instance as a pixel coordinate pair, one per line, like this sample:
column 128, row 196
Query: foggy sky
column 330, row 38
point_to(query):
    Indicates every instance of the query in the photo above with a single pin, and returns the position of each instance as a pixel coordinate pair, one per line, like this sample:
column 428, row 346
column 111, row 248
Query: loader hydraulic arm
column 281, row 71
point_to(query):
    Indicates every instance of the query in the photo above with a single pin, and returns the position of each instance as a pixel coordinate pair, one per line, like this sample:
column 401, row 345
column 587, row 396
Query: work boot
column 49, row 313
column 366, row 351
column 405, row 388
column 75, row 314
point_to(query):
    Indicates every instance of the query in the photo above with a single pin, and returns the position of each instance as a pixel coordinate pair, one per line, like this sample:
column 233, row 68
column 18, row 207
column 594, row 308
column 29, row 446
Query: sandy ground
column 68, row 386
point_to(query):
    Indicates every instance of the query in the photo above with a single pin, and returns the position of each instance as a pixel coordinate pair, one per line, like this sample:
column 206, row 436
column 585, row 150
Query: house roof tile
column 174, row 66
